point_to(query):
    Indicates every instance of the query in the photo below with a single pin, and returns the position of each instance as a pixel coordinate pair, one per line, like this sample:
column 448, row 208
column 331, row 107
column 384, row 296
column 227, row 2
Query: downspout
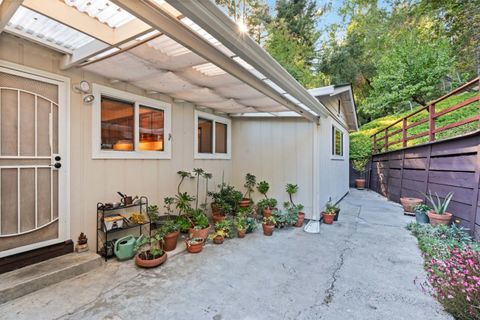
column 316, row 172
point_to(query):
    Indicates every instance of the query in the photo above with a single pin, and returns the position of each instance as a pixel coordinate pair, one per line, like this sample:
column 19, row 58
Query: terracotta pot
column 170, row 241
column 436, row 219
column 241, row 233
column 150, row 263
column 328, row 218
column 199, row 233
column 360, row 184
column 194, row 248
column 267, row 212
column 244, row 203
column 218, row 240
column 300, row 218
column 268, row 229
column 410, row 203
column 218, row 217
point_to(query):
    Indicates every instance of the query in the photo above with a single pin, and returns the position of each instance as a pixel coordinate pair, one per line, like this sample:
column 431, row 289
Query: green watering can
column 125, row 247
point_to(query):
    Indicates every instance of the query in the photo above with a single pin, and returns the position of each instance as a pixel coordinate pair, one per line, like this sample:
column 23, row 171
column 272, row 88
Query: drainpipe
column 316, row 172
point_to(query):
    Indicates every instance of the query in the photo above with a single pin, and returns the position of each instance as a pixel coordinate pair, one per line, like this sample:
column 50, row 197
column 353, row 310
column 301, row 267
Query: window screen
column 220, row 137
column 151, row 129
column 337, row 142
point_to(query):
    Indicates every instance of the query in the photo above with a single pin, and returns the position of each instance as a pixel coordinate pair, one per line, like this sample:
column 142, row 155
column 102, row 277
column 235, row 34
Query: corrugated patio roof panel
column 49, row 30
column 102, row 10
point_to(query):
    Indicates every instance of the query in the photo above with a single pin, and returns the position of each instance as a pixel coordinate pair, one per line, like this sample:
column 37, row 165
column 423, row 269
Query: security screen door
column 33, row 171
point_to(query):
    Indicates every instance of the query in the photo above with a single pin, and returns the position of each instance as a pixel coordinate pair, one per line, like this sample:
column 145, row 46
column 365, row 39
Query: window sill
column 131, row 155
column 206, row 156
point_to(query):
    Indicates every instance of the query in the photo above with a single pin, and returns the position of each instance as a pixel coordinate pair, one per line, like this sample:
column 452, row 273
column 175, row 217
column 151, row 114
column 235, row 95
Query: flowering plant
column 456, row 282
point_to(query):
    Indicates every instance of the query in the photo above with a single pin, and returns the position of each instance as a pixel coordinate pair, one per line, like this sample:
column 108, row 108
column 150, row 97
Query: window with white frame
column 337, row 142
column 128, row 126
column 212, row 136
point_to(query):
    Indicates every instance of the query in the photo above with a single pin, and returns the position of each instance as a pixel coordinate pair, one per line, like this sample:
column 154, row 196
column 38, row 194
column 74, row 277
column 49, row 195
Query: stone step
column 25, row 280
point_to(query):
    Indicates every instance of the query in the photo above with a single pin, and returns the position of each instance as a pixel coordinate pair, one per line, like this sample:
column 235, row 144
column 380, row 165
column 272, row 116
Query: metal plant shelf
column 103, row 235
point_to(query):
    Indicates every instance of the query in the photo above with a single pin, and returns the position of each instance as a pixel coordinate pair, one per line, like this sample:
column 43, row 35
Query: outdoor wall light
column 88, row 98
column 82, row 87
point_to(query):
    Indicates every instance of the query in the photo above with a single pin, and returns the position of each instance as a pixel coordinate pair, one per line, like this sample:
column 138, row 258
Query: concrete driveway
column 365, row 266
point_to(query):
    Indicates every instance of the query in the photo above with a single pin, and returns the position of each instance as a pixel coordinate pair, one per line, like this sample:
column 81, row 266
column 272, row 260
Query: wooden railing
column 381, row 139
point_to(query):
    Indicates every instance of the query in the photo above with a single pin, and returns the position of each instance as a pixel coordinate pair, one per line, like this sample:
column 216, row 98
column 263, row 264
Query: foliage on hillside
column 361, row 143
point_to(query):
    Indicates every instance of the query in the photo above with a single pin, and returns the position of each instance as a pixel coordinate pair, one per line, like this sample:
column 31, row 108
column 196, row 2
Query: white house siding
column 95, row 181
column 281, row 151
column 275, row 150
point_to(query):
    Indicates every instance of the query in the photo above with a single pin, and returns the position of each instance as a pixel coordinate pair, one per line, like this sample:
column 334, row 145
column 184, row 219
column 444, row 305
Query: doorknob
column 57, row 165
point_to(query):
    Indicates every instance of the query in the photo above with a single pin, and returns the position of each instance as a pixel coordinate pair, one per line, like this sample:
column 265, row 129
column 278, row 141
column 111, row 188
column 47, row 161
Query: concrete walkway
column 366, row 266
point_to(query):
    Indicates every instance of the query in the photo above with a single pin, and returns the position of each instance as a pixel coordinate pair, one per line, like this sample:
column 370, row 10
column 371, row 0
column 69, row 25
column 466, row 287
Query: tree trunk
column 418, row 100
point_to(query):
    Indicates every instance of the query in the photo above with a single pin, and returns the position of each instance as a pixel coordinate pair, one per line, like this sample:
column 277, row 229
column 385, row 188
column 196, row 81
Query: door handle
column 57, row 165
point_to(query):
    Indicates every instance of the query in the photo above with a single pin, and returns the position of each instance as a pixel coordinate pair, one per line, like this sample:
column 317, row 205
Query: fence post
column 404, row 132
column 431, row 122
column 386, row 139
column 375, row 144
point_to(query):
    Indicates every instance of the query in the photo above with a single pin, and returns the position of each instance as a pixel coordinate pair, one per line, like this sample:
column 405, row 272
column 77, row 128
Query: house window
column 213, row 136
column 337, row 142
column 127, row 126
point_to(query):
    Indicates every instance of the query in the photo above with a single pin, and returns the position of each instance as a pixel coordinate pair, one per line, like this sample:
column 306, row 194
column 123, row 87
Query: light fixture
column 88, row 98
column 82, row 87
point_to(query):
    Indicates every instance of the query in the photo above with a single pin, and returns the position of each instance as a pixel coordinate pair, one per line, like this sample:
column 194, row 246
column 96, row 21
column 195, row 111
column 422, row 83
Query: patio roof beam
column 156, row 17
column 7, row 10
column 212, row 19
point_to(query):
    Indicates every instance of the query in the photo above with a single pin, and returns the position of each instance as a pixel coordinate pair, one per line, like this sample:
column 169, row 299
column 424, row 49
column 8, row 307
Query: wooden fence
column 393, row 136
column 451, row 165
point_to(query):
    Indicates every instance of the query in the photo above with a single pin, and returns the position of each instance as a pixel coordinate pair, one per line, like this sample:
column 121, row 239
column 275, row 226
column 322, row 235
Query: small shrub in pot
column 268, row 224
column 421, row 211
column 151, row 253
column 438, row 214
column 250, row 182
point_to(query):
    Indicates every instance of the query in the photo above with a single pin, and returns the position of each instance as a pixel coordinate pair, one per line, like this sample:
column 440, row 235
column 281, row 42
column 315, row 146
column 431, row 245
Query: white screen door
column 33, row 161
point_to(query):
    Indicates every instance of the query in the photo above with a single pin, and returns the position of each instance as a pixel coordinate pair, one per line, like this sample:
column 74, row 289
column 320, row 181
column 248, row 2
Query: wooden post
column 404, row 132
column 375, row 150
column 431, row 122
column 386, row 139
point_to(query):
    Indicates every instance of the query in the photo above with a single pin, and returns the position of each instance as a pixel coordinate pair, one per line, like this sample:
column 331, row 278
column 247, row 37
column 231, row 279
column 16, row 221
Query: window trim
column 214, row 119
column 98, row 153
column 332, row 141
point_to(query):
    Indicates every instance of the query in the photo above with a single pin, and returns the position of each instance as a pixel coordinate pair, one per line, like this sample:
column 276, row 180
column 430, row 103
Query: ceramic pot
column 199, row 233
column 300, row 218
column 218, row 240
column 410, row 203
column 218, row 217
column 421, row 217
column 337, row 213
column 436, row 219
column 150, row 263
column 241, row 233
column 328, row 218
column 244, row 203
column 360, row 184
column 195, row 247
column 267, row 212
column 170, row 241
column 268, row 229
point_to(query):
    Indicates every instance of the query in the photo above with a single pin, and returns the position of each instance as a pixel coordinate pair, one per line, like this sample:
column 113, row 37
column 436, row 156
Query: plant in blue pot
column 421, row 213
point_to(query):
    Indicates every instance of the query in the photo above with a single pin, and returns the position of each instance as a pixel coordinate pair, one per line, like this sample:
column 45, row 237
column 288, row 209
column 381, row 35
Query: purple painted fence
column 443, row 166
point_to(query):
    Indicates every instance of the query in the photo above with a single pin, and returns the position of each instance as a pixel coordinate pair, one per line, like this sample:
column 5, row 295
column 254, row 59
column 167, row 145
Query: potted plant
column 194, row 245
column 151, row 252
column 169, row 229
column 328, row 215
column 438, row 214
column 152, row 213
column 268, row 224
column 333, row 207
column 291, row 189
column 225, row 201
column 267, row 204
column 285, row 218
column 200, row 225
column 409, row 203
column 241, row 225
column 250, row 182
column 421, row 213
column 360, row 165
